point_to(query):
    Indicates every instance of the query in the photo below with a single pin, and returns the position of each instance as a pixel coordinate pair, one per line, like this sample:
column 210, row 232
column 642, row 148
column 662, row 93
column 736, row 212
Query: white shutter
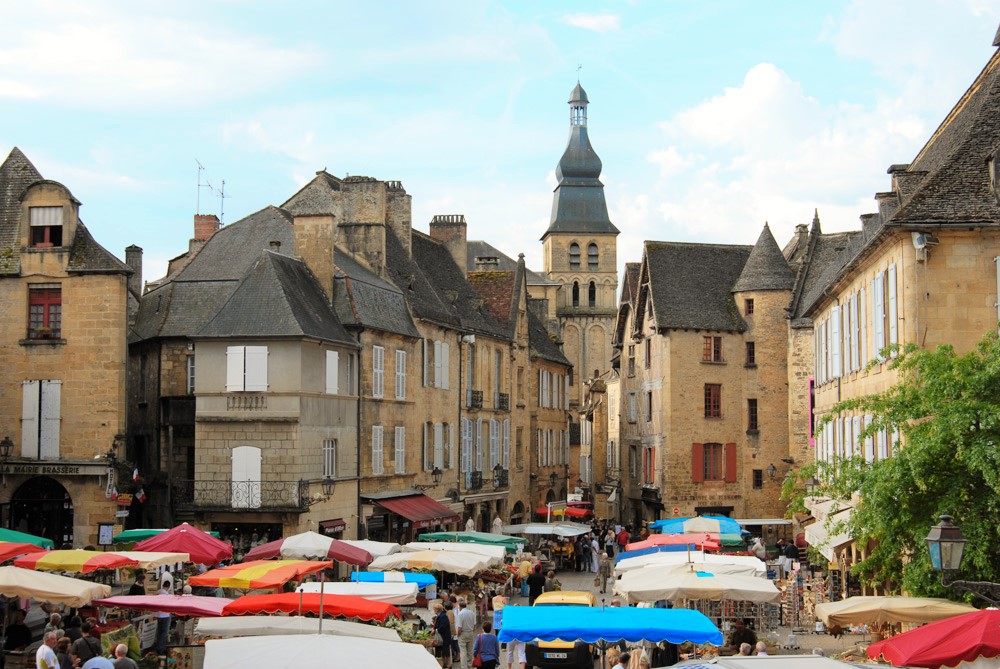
column 51, row 396
column 538, row 442
column 437, row 364
column 863, row 317
column 439, row 445
column 893, row 313
column 256, row 368
column 400, row 374
column 855, row 335
column 426, row 447
column 235, row 364
column 332, row 372
column 506, row 443
column 816, row 356
column 855, row 442
column 894, row 441
column 399, row 456
column 566, row 394
column 30, row 402
column 246, row 477
column 837, row 346
column 426, row 365
column 494, row 443
column 883, row 451
column 878, row 315
column 541, row 375
column 378, row 371
column 869, row 442
column 828, row 348
column 466, row 445
column 451, row 446
column 377, row 449
column 445, row 366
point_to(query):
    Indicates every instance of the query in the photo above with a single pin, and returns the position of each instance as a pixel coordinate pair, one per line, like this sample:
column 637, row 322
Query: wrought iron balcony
column 474, row 480
column 503, row 402
column 501, row 478
column 227, row 495
column 474, row 399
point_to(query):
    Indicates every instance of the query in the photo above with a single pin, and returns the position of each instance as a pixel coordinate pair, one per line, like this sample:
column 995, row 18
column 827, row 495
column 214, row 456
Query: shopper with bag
column 442, row 636
column 486, row 650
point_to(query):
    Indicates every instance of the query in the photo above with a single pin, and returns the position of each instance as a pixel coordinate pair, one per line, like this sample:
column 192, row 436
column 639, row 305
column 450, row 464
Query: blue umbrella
column 422, row 580
column 726, row 525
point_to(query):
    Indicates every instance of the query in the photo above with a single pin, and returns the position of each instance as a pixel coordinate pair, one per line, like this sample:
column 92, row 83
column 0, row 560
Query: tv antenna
column 219, row 192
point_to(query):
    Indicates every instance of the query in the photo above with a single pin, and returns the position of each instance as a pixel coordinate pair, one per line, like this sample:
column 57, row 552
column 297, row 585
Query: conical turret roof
column 766, row 268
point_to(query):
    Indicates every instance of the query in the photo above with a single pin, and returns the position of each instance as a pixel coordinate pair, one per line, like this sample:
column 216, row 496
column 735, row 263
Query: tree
column 946, row 407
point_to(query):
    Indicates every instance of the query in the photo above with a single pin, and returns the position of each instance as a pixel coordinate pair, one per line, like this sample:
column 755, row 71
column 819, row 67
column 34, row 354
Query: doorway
column 41, row 506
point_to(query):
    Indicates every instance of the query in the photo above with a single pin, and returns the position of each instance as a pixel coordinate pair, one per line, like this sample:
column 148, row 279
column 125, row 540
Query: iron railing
column 474, row 480
column 500, row 478
column 474, row 399
column 228, row 495
column 503, row 402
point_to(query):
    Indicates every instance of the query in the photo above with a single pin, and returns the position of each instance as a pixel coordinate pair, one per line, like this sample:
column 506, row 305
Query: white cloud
column 670, row 161
column 598, row 23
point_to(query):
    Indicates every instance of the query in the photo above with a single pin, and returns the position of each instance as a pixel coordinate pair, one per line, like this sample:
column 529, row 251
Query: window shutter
column 400, row 375
column 538, row 442
column 30, row 400
column 426, row 364
column 855, row 335
column 697, row 463
column 451, row 446
column 479, row 445
column 332, row 372
column 466, row 445
column 50, row 415
column 878, row 316
column 506, row 443
column 234, row 368
column 816, row 357
column 378, row 371
column 863, row 319
column 855, row 440
column 869, row 442
column 730, row 463
column 566, row 393
column 399, row 444
column 437, row 364
column 541, row 375
column 376, row 449
column 893, row 325
column 256, row 368
column 427, row 447
column 445, row 366
column 246, row 477
column 494, row 443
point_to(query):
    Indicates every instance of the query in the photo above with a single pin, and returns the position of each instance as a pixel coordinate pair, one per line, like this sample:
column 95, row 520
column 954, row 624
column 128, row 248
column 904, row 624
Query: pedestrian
column 163, row 619
column 86, row 647
column 762, row 649
column 595, row 551
column 745, row 649
column 139, row 587
column 45, row 656
column 550, row 581
column 623, row 660
column 622, row 538
column 515, row 654
column 62, row 653
column 451, row 608
column 18, row 634
column 442, row 628
column 487, row 647
column 465, row 622
column 578, row 553
column 73, row 628
column 585, row 542
column 54, row 624
column 604, row 572
column 122, row 660
column 536, row 585
column 757, row 548
column 609, row 542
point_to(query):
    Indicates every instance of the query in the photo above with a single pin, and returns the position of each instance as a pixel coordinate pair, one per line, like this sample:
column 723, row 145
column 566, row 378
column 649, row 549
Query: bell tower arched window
column 592, row 256
column 576, row 294
column 592, row 295
column 574, row 256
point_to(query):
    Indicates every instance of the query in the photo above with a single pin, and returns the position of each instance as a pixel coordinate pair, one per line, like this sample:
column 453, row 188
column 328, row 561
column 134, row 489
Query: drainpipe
column 357, row 432
column 461, row 429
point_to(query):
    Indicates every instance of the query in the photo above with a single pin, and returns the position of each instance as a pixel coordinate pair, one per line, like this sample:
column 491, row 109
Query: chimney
column 487, row 263
column 205, row 225
column 314, row 240
column 133, row 258
column 275, row 245
column 450, row 230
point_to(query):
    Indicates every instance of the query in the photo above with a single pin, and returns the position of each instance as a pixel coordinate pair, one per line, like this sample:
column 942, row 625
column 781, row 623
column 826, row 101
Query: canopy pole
column 322, row 583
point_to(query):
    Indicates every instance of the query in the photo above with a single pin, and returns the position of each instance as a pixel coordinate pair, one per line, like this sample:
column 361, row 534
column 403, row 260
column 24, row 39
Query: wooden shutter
column 878, row 315
column 437, row 364
column 697, row 463
column 438, row 446
column 426, row 364
column 479, row 445
column 376, row 449
column 451, row 446
column 50, row 417
column 332, row 372
column 445, row 366
column 836, row 343
column 235, row 365
column 427, row 447
column 893, row 313
column 256, row 368
column 506, row 443
column 30, row 405
column 378, row 371
column 730, row 463
column 399, row 450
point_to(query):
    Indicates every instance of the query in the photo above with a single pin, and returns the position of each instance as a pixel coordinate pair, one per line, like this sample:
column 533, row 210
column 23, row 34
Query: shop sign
column 124, row 499
column 52, row 469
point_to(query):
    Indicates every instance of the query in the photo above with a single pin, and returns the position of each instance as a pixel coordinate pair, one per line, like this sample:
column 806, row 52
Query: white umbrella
column 464, row 564
column 392, row 593
column 306, row 650
column 888, row 610
column 565, row 529
column 685, row 584
column 680, row 557
column 495, row 554
column 231, row 626
column 375, row 548
column 45, row 587
column 154, row 559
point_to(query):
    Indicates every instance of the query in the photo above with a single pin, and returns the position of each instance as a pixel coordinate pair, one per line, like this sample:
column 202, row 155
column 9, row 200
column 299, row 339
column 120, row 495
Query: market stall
column 310, row 546
column 463, row 564
column 237, row 626
column 295, row 651
column 342, row 606
column 701, row 541
column 202, row 547
column 638, row 561
column 487, row 538
column 136, row 535
column 886, row 610
column 375, row 548
column 260, row 574
column 697, row 525
column 494, row 554
column 74, row 561
column 682, row 582
column 400, row 594
column 25, row 538
column 565, row 529
column 180, row 605
column 28, row 584
column 969, row 641
column 420, row 579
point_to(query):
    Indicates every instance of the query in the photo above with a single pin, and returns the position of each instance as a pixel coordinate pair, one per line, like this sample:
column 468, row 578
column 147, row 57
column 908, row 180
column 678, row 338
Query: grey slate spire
column 578, row 204
column 766, row 268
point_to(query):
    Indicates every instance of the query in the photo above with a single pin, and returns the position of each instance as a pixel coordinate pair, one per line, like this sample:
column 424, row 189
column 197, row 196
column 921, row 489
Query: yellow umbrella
column 78, row 561
column 888, row 610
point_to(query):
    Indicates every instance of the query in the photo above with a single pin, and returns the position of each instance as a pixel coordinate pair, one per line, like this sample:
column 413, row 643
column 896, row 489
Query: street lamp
column 946, row 545
column 328, row 485
column 771, row 470
column 436, row 475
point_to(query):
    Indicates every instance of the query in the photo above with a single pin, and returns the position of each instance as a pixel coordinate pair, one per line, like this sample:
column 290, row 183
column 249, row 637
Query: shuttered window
column 377, row 450
column 400, row 374
column 40, row 419
column 378, row 371
column 399, row 444
column 246, row 368
column 245, row 483
column 332, row 372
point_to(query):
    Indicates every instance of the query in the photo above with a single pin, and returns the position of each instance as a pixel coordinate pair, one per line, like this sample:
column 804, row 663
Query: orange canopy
column 347, row 606
column 258, row 574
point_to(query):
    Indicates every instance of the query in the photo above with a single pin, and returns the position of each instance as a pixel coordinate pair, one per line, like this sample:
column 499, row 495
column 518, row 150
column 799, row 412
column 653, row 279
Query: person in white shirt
column 45, row 657
column 762, row 649
column 595, row 554
column 465, row 625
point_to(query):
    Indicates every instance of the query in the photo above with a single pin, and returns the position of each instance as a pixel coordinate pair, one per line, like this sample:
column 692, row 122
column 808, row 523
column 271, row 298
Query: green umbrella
column 21, row 537
column 135, row 536
column 488, row 538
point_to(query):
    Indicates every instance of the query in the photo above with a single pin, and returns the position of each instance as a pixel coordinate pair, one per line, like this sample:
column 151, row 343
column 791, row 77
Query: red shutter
column 697, row 463
column 730, row 463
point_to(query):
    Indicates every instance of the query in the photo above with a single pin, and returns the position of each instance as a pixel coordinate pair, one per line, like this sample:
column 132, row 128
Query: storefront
column 400, row 516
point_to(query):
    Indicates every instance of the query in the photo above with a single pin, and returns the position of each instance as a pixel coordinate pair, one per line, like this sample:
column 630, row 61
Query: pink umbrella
column 201, row 546
column 181, row 605
column 310, row 546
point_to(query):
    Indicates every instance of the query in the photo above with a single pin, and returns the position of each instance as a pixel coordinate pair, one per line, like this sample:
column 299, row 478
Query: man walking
column 465, row 623
column 45, row 657
column 122, row 660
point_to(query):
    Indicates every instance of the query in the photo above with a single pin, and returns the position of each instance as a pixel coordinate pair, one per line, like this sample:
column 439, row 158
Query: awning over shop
column 818, row 536
column 421, row 510
column 333, row 526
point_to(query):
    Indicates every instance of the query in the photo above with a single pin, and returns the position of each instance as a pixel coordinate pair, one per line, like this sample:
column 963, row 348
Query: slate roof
column 826, row 259
column 766, row 268
column 541, row 344
column 87, row 256
column 477, row 249
column 362, row 298
column 691, row 284
column 279, row 297
column 316, row 197
column 630, row 283
column 409, row 276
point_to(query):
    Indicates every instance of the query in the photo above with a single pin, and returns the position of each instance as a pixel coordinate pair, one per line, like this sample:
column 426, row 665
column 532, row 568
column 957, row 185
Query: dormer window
column 574, row 256
column 46, row 225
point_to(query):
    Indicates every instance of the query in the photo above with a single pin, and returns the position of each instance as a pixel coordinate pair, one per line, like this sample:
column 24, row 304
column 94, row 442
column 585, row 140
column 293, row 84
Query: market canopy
column 344, row 606
column 258, row 574
column 964, row 638
column 201, row 546
column 592, row 624
column 421, row 510
column 131, row 536
column 13, row 549
column 566, row 529
column 79, row 561
column 153, row 559
column 488, row 538
column 650, row 559
column 463, row 564
column 376, row 548
column 686, row 584
column 28, row 584
column 235, row 626
column 310, row 546
column 653, row 583
column 495, row 554
column 306, row 650
column 180, row 605
column 400, row 594
column 702, row 541
column 697, row 525
column 888, row 610
column 422, row 580
column 25, row 538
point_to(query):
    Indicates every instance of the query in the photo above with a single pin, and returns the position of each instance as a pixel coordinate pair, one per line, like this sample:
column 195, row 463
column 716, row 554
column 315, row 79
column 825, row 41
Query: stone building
column 65, row 302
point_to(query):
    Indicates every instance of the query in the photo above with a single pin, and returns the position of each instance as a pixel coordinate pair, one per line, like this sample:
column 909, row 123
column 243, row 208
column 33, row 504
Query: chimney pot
column 275, row 245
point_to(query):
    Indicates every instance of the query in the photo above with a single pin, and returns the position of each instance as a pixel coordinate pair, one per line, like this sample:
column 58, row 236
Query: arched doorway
column 550, row 496
column 41, row 506
column 517, row 513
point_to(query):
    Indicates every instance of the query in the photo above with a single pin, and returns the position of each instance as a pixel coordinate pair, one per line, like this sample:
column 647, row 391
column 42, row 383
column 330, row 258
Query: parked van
column 561, row 654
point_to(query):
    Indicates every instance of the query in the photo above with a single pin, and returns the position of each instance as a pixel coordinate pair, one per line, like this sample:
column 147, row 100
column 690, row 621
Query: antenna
column 219, row 192
column 578, row 68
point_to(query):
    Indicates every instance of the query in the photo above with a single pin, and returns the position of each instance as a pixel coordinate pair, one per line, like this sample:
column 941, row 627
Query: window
column 497, row 374
column 350, row 377
column 520, row 384
column 400, row 375
column 632, row 408
column 45, row 311
column 649, row 406
column 752, row 425
column 712, row 467
column 711, row 349
column 377, row 450
column 332, row 372
column 245, row 482
column 246, row 368
column 330, row 458
column 436, row 364
column 649, row 352
column 40, row 419
column 631, row 360
column 190, row 375
column 518, row 445
column 758, row 479
column 399, row 454
column 713, row 400
column 466, row 446
column 633, row 461
column 574, row 256
column 748, row 306
column 592, row 257
column 648, row 465
column 751, row 359
column 506, row 443
column 378, row 371
column 494, row 443
column 592, row 295
column 46, row 225
column 576, row 294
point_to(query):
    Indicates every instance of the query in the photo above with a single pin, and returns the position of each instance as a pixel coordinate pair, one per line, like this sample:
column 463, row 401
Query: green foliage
column 947, row 408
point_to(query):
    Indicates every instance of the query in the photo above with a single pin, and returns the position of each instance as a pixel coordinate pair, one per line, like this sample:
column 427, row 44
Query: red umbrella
column 258, row 574
column 947, row 642
column 181, row 605
column 310, row 546
column 703, row 541
column 201, row 546
column 347, row 606
column 12, row 549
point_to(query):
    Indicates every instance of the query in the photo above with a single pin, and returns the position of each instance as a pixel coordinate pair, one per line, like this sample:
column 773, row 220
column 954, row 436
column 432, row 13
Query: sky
column 710, row 117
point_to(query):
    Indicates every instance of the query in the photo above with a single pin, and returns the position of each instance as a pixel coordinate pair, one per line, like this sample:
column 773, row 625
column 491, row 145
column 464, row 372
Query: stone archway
column 42, row 506
column 517, row 513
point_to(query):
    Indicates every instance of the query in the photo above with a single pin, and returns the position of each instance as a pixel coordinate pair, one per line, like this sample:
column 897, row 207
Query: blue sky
column 710, row 117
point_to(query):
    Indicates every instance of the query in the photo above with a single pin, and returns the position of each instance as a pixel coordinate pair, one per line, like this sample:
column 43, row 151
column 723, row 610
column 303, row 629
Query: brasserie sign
column 52, row 469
